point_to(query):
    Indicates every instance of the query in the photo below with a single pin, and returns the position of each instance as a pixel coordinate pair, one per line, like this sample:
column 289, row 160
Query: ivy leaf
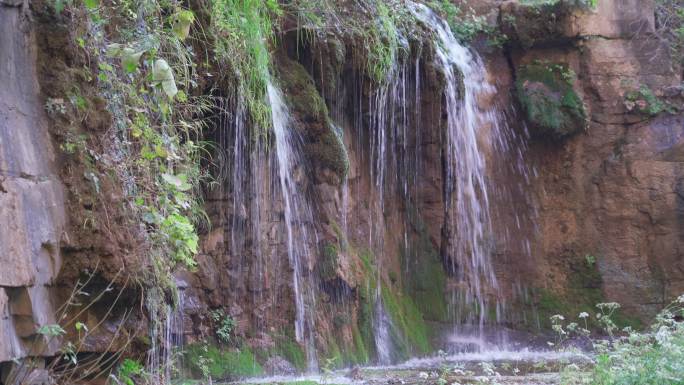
column 162, row 74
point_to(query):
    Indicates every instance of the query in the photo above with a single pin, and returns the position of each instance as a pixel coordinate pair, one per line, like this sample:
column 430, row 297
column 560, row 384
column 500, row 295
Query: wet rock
column 278, row 366
column 354, row 373
column 322, row 142
column 535, row 24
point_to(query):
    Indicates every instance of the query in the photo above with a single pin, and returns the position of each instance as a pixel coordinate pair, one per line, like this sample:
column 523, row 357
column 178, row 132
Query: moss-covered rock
column 323, row 143
column 425, row 277
column 409, row 332
column 552, row 106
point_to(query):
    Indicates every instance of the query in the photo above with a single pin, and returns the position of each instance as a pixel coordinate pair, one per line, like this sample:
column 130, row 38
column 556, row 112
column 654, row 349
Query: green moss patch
column 329, row 263
column 409, row 329
column 551, row 105
column 425, row 278
column 222, row 364
column 290, row 350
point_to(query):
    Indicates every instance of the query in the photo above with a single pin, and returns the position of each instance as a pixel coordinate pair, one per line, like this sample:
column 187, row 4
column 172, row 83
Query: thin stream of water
column 297, row 216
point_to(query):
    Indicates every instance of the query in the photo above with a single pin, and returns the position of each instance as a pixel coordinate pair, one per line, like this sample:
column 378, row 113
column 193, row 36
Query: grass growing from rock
column 243, row 30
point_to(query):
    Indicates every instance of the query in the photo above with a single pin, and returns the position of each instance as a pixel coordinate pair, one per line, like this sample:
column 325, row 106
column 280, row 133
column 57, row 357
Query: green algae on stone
column 551, row 105
column 583, row 292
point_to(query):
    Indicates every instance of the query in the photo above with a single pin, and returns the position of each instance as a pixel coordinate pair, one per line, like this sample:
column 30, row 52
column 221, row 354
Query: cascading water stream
column 298, row 216
column 467, row 200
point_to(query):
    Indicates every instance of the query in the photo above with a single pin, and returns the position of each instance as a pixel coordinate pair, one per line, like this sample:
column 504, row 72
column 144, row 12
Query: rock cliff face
column 610, row 192
column 31, row 194
column 587, row 189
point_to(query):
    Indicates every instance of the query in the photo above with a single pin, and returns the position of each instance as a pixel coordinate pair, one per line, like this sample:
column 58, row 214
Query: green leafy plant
column 382, row 44
column 224, row 325
column 129, row 370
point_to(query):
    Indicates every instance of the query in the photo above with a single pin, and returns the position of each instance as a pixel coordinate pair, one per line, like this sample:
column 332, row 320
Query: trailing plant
column 382, row 44
column 146, row 75
column 129, row 370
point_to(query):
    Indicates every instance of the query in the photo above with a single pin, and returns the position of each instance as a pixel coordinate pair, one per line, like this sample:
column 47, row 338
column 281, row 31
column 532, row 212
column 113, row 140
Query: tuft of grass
column 243, row 30
column 382, row 44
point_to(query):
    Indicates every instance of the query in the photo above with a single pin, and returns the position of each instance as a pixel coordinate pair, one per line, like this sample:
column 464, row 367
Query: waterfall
column 298, row 216
column 382, row 326
column 167, row 329
column 467, row 200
